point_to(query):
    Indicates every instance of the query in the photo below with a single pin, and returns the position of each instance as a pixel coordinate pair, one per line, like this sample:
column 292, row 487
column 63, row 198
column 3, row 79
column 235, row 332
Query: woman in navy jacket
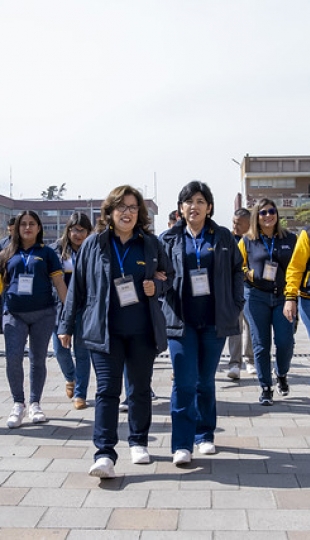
column 201, row 309
column 114, row 286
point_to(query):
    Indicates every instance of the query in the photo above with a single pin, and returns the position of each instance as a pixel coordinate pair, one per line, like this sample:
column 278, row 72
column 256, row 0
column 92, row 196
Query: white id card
column 126, row 291
column 270, row 270
column 200, row 282
column 25, row 284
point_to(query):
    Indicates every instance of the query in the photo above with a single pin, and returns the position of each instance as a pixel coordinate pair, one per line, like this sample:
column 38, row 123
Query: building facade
column 54, row 214
column 284, row 179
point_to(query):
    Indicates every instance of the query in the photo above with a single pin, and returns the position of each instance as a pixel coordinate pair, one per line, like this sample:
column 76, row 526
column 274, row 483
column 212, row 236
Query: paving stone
column 36, row 479
column 144, row 519
column 180, row 499
column 299, row 499
column 280, row 520
column 76, row 518
column 71, row 498
column 212, row 520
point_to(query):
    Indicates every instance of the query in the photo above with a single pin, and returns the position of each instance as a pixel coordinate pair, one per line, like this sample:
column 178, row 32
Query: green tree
column 54, row 193
column 302, row 214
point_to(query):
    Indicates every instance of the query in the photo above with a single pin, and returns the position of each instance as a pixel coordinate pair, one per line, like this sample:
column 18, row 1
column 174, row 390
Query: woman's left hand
column 149, row 287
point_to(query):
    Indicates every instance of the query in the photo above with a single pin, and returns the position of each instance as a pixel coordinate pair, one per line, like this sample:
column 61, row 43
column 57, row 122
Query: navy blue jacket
column 228, row 281
column 89, row 290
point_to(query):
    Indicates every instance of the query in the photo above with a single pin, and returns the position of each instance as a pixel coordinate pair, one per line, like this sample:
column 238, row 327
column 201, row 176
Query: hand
column 290, row 310
column 149, row 287
column 65, row 340
column 160, row 275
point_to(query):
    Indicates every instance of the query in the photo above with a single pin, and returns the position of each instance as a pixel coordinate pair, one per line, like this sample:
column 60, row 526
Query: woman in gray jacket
column 113, row 285
column 201, row 309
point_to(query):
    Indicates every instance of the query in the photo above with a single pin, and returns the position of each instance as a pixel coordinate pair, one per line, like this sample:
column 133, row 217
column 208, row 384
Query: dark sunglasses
column 270, row 212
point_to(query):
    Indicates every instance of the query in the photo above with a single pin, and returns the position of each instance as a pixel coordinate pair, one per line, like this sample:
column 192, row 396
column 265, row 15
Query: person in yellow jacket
column 298, row 281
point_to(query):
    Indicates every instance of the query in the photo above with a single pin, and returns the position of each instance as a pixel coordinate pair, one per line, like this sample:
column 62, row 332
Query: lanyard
column 269, row 249
column 26, row 260
column 197, row 244
column 119, row 258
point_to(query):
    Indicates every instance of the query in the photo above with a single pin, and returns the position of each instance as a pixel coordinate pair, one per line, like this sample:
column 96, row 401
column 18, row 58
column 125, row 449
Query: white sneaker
column 182, row 456
column 16, row 415
column 251, row 369
column 139, row 454
column 234, row 373
column 206, row 447
column 36, row 414
column 123, row 406
column 103, row 468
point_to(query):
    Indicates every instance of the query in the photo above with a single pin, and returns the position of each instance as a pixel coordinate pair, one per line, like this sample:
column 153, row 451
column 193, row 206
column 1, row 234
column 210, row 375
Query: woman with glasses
column 201, row 309
column 267, row 249
column 120, row 273
column 28, row 269
column 75, row 373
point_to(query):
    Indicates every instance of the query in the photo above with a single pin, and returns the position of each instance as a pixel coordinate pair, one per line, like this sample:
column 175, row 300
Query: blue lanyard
column 197, row 245
column 26, row 261
column 269, row 249
column 119, row 258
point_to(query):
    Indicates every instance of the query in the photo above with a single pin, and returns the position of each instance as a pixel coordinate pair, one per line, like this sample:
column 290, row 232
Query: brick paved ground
column 257, row 486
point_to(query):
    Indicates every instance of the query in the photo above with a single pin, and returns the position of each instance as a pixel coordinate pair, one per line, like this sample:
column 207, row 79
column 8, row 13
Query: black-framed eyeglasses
column 133, row 208
column 269, row 212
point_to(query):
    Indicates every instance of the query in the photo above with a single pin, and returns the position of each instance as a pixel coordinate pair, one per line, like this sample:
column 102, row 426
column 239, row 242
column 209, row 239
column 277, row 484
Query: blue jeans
column 195, row 357
column 78, row 372
column 304, row 310
column 38, row 325
column 264, row 312
column 138, row 351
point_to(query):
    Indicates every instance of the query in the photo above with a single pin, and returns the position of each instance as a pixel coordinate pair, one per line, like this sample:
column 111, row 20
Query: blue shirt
column 199, row 311
column 42, row 263
column 135, row 318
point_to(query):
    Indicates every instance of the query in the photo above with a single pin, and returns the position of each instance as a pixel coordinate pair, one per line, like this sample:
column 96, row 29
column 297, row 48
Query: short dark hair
column 11, row 221
column 173, row 215
column 242, row 212
column 191, row 189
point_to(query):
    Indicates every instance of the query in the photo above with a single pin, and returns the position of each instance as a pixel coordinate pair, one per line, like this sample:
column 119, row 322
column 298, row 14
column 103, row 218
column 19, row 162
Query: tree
column 53, row 193
column 302, row 214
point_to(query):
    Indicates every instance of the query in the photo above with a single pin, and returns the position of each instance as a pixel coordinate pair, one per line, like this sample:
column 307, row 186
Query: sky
column 152, row 93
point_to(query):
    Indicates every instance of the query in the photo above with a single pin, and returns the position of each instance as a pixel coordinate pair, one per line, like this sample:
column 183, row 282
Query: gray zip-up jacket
column 89, row 290
column 228, row 281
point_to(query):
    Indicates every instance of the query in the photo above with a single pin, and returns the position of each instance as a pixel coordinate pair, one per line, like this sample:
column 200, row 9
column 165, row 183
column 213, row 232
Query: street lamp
column 242, row 193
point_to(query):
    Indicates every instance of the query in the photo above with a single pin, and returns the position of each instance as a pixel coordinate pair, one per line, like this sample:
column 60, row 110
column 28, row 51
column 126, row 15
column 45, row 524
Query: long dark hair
column 16, row 243
column 77, row 218
column 115, row 198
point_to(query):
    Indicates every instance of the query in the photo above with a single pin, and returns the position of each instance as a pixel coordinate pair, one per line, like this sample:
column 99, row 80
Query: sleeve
column 297, row 266
column 53, row 263
column 165, row 265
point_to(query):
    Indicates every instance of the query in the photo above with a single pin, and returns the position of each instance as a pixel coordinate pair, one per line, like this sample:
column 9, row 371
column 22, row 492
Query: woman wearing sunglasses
column 267, row 249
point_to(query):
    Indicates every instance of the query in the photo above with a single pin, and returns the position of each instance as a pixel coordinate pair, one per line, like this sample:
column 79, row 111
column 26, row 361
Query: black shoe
column 282, row 387
column 266, row 397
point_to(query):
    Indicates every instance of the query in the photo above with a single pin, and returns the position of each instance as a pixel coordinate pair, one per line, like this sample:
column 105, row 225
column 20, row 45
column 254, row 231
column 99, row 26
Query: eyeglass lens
column 271, row 212
column 133, row 208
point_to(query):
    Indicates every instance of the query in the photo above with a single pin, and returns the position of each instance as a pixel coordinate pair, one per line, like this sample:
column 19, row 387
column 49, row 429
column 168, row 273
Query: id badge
column 270, row 270
column 200, row 282
column 126, row 291
column 25, row 284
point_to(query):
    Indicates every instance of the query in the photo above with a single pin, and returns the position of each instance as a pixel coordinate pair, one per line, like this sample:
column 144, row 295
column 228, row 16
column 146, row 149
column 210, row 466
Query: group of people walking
column 124, row 295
